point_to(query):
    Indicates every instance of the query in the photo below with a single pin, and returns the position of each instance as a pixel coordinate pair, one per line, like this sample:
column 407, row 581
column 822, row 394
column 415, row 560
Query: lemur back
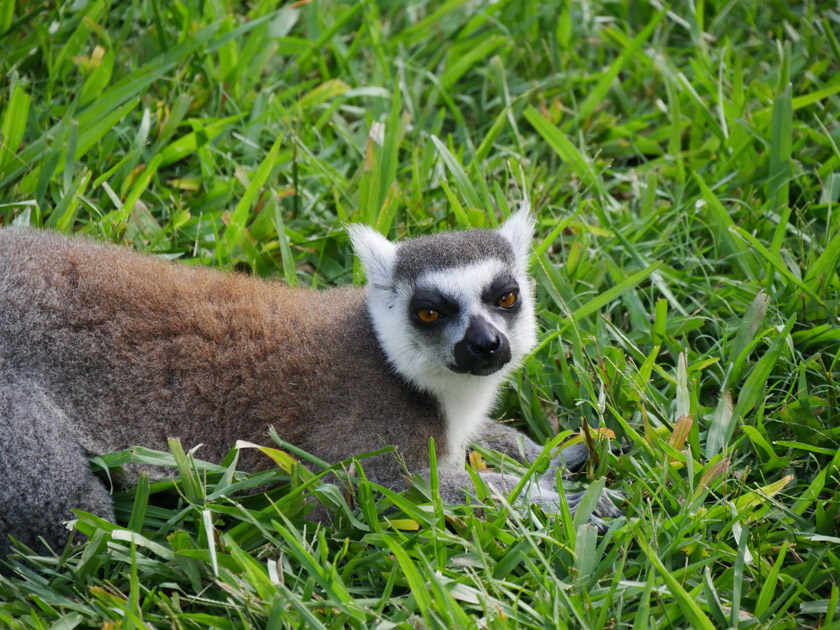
column 102, row 349
column 140, row 350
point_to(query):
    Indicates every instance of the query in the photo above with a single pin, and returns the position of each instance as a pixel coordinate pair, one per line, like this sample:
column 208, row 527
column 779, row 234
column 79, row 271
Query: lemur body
column 102, row 349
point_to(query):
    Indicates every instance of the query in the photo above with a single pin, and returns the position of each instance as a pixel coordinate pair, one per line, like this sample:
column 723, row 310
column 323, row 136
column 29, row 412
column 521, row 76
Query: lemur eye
column 507, row 300
column 428, row 315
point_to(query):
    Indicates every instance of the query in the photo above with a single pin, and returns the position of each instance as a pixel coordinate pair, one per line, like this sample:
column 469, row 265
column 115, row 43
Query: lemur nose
column 485, row 344
column 483, row 350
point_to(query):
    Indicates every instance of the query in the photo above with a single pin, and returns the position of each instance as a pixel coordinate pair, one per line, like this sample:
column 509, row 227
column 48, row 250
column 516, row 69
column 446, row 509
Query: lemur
column 102, row 349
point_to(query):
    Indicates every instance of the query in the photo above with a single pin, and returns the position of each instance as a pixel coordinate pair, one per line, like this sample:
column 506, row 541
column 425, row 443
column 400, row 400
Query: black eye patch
column 427, row 299
column 502, row 285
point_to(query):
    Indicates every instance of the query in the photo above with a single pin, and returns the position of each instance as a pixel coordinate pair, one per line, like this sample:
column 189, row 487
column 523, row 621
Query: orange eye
column 428, row 315
column 507, row 300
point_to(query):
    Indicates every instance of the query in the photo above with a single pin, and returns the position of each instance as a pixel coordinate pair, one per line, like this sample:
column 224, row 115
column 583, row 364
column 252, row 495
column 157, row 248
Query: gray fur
column 102, row 349
column 448, row 249
column 43, row 468
column 510, row 442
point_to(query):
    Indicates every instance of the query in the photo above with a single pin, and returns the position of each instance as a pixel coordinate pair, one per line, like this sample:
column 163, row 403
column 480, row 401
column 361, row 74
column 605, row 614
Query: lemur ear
column 519, row 231
column 376, row 252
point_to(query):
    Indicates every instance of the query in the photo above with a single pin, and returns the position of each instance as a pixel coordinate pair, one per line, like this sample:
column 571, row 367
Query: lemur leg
column 43, row 470
column 515, row 445
column 507, row 440
column 456, row 485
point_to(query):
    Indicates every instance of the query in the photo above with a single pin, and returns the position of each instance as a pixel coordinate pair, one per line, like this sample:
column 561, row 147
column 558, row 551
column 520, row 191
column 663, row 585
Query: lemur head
column 451, row 307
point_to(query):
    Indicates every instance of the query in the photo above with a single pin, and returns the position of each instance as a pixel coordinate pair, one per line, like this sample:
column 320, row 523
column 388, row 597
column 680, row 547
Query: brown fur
column 137, row 350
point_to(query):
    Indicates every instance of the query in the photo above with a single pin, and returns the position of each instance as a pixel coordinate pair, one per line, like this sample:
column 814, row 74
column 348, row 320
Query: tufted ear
column 377, row 254
column 519, row 232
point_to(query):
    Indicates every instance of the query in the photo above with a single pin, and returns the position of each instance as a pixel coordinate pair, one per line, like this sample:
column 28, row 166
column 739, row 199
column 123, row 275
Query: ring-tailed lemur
column 102, row 349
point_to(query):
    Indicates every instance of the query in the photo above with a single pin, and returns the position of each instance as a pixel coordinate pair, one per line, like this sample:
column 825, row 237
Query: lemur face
column 453, row 305
column 463, row 316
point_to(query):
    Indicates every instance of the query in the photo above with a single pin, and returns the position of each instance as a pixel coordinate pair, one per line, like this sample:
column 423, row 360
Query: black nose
column 485, row 344
column 482, row 351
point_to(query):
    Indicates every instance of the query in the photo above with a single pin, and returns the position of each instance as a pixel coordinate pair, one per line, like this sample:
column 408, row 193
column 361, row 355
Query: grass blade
column 768, row 589
column 722, row 425
column 777, row 263
column 596, row 95
column 820, row 272
column 720, row 218
column 564, row 148
column 239, row 216
column 692, row 612
column 15, row 117
column 754, row 385
column 482, row 50
column 458, row 174
column 746, row 333
column 596, row 303
column 288, row 261
column 7, row 15
column 778, row 186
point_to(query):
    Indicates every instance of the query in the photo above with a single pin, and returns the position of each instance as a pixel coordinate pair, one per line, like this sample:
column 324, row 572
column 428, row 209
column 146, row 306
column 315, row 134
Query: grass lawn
column 684, row 164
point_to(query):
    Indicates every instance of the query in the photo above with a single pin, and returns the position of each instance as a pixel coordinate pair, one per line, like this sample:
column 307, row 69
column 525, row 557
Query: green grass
column 685, row 170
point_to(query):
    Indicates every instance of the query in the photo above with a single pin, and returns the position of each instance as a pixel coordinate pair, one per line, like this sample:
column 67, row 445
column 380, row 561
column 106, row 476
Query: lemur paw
column 605, row 506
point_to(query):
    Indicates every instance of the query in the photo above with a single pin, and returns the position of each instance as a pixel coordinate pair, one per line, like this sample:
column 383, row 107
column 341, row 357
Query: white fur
column 376, row 252
column 519, row 231
column 465, row 398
